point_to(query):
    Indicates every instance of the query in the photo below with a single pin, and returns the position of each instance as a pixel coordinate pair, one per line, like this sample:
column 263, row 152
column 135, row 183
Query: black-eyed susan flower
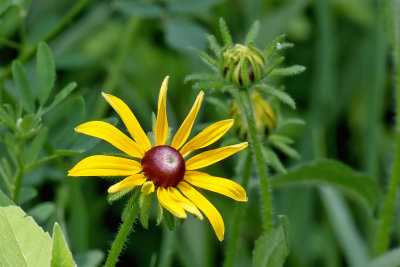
column 165, row 169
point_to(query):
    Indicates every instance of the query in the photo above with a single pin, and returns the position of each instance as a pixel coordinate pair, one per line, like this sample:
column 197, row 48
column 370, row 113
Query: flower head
column 164, row 168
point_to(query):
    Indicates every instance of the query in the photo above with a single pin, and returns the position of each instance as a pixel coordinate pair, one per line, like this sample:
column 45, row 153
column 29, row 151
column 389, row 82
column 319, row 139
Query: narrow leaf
column 288, row 71
column 334, row 173
column 213, row 44
column 273, row 46
column 252, row 34
column 91, row 258
column 60, row 97
column 46, row 73
column 23, row 87
column 280, row 95
column 60, row 254
column 36, row 146
column 389, row 259
column 226, row 36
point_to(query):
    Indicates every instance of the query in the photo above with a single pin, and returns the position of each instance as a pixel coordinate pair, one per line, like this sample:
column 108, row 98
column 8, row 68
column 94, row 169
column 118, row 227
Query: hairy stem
column 133, row 211
column 243, row 99
column 244, row 169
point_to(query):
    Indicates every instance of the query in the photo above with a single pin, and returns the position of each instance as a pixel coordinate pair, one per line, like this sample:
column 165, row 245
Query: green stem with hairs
column 243, row 169
column 132, row 209
column 386, row 216
column 244, row 101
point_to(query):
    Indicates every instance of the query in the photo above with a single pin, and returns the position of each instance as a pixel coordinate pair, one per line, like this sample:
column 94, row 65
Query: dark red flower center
column 164, row 166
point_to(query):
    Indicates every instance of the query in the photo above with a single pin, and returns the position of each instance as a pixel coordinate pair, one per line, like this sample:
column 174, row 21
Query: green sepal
column 145, row 204
column 115, row 196
column 131, row 203
column 252, row 33
column 226, row 36
column 169, row 220
column 160, row 214
column 272, row 47
column 244, row 73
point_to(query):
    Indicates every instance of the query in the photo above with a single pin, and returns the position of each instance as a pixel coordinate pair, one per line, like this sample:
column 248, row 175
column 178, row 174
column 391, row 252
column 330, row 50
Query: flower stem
column 386, row 216
column 243, row 99
column 243, row 169
column 133, row 211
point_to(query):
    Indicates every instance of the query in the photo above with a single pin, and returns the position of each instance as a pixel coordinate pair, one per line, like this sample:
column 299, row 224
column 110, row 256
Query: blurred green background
column 126, row 48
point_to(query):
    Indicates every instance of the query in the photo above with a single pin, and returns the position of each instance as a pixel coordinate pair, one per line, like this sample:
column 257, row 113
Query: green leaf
column 272, row 249
column 288, row 71
column 27, row 194
column 22, row 241
column 60, row 254
column 91, row 258
column 42, row 211
column 280, row 95
column 4, row 5
column 46, row 72
column 226, row 36
column 334, row 173
column 273, row 46
column 213, row 44
column 23, row 87
column 36, row 146
column 252, row 34
column 202, row 77
column 273, row 160
column 286, row 149
column 389, row 259
column 60, row 97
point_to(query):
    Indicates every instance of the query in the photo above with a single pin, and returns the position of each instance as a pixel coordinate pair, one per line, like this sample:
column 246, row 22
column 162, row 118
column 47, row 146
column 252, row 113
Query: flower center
column 164, row 166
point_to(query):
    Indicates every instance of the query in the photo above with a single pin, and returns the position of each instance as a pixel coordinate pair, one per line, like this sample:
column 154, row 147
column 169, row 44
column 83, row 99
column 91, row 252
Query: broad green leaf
column 272, row 249
column 91, row 258
column 27, row 194
column 279, row 94
column 23, row 87
column 42, row 211
column 389, row 259
column 46, row 73
column 60, row 253
column 334, row 173
column 60, row 96
column 22, row 241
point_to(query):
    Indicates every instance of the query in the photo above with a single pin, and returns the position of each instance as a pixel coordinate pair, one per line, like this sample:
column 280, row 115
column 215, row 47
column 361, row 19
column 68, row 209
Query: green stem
column 386, row 217
column 243, row 99
column 72, row 13
column 133, row 211
column 239, row 212
column 18, row 180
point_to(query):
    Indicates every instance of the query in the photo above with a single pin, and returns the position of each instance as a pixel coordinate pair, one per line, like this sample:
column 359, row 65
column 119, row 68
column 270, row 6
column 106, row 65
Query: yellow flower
column 162, row 168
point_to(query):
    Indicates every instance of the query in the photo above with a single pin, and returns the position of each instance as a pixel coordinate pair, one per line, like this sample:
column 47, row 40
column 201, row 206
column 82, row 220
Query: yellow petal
column 111, row 134
column 184, row 131
column 184, row 202
column 219, row 185
column 133, row 180
column 148, row 187
column 100, row 165
column 161, row 130
column 129, row 120
column 206, row 137
column 207, row 158
column 168, row 203
column 206, row 207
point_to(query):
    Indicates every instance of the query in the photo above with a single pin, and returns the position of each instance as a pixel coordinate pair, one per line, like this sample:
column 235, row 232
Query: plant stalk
column 244, row 101
column 244, row 169
column 124, row 230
